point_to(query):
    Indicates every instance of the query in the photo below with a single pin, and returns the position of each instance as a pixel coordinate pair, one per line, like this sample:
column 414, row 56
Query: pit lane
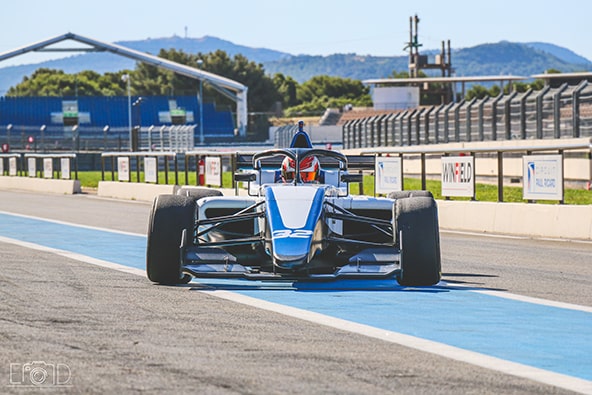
column 471, row 317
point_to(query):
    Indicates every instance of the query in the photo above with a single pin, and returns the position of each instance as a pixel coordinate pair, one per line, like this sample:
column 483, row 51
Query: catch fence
column 551, row 113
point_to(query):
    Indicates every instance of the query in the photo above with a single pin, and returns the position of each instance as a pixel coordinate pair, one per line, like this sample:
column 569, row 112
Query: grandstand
column 97, row 111
column 88, row 117
column 27, row 115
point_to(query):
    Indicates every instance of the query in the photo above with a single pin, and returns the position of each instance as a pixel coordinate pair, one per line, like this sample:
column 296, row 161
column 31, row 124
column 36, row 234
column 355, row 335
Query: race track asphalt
column 115, row 332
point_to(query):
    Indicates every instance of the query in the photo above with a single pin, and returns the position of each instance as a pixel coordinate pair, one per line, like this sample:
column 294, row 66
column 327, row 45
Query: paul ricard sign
column 542, row 177
column 458, row 176
column 388, row 174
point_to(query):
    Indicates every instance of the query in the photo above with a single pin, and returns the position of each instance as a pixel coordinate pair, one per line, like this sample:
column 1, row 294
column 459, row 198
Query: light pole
column 201, row 131
column 8, row 130
column 42, row 129
column 137, row 129
column 126, row 78
column 105, row 130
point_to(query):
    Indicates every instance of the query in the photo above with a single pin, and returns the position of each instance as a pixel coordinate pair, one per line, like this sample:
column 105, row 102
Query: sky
column 312, row 27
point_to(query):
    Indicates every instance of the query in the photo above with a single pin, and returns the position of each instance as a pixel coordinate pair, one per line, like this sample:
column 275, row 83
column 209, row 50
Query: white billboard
column 213, row 171
column 123, row 169
column 388, row 174
column 12, row 167
column 32, row 166
column 542, row 177
column 458, row 176
column 395, row 97
column 150, row 169
column 47, row 168
column 65, row 168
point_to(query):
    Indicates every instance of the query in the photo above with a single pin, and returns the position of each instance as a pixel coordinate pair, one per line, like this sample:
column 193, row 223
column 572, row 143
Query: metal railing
column 473, row 149
column 50, row 166
column 551, row 113
column 138, row 166
column 77, row 138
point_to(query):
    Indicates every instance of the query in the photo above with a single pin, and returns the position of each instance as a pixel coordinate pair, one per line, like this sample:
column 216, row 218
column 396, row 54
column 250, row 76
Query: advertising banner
column 65, row 168
column 150, row 169
column 32, row 166
column 458, row 176
column 47, row 168
column 123, row 169
column 213, row 171
column 542, row 177
column 12, row 167
column 389, row 175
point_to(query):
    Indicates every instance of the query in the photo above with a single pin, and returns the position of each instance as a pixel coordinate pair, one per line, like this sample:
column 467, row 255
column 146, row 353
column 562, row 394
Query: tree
column 50, row 82
column 321, row 92
column 334, row 87
column 477, row 91
column 287, row 88
column 150, row 80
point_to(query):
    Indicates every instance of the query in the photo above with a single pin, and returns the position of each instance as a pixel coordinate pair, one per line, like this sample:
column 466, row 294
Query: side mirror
column 245, row 177
column 352, row 178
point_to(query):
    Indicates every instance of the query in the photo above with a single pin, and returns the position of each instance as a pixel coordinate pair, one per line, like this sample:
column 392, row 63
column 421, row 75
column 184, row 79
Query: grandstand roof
column 407, row 81
column 446, row 80
column 557, row 79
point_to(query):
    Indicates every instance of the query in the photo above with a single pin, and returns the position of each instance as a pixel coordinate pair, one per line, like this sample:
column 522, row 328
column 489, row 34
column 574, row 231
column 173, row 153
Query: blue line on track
column 545, row 337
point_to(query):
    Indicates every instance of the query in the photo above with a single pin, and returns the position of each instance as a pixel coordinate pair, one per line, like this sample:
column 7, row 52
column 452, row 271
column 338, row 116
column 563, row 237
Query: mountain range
column 524, row 59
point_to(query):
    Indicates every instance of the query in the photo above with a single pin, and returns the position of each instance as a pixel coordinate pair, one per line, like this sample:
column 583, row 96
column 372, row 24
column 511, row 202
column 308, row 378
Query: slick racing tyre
column 198, row 192
column 416, row 224
column 169, row 216
column 406, row 194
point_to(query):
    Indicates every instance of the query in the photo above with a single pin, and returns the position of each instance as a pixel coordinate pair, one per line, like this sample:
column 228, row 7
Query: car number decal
column 297, row 233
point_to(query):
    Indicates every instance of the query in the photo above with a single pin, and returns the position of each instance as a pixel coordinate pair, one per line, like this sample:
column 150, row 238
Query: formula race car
column 297, row 222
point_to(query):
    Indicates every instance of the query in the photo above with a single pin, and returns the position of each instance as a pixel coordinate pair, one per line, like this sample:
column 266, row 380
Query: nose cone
column 292, row 214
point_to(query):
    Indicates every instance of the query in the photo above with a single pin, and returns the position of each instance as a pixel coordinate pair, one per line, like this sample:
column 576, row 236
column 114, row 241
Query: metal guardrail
column 23, row 167
column 499, row 151
column 3, row 162
column 140, row 155
column 49, row 138
column 71, row 158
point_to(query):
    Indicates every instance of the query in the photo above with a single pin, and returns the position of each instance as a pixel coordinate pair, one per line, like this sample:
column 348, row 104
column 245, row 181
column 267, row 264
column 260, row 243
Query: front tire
column 406, row 194
column 198, row 192
column 416, row 220
column 170, row 215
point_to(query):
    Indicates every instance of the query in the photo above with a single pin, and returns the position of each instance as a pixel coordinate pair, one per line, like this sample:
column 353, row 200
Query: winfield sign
column 458, row 176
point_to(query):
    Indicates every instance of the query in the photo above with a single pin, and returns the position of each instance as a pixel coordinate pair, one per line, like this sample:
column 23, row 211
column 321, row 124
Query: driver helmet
column 309, row 169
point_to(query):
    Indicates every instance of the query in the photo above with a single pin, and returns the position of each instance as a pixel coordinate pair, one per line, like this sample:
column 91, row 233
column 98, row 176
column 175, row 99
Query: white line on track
column 444, row 350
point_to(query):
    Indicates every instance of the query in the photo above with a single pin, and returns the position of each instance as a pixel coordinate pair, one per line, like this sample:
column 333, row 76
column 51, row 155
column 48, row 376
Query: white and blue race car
column 292, row 228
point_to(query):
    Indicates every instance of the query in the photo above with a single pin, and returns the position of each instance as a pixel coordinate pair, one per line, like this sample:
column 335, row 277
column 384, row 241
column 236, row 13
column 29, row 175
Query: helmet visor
column 288, row 176
column 308, row 176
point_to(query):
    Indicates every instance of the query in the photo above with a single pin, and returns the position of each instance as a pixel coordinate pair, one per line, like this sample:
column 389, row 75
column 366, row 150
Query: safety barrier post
column 576, row 108
column 557, row 110
column 480, row 116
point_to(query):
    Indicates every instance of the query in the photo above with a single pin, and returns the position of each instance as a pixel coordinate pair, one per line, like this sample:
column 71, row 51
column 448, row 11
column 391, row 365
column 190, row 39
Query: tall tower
column 418, row 62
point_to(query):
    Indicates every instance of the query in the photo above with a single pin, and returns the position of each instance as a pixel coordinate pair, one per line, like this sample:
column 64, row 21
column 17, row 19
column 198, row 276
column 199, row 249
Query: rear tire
column 418, row 235
column 406, row 194
column 170, row 214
